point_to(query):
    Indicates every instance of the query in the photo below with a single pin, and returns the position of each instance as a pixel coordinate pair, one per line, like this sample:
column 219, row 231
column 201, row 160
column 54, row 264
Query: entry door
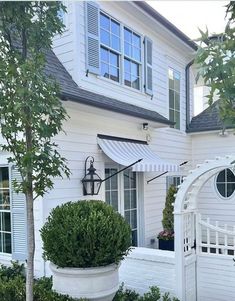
column 121, row 192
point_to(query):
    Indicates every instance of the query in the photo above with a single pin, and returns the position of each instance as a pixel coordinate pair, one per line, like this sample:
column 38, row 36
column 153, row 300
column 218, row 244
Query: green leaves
column 216, row 62
column 88, row 234
column 30, row 109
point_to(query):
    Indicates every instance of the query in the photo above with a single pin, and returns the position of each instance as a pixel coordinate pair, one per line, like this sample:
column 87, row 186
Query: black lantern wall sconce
column 92, row 181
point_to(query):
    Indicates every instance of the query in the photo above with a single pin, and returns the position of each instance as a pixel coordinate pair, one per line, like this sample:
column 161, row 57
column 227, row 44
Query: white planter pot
column 96, row 284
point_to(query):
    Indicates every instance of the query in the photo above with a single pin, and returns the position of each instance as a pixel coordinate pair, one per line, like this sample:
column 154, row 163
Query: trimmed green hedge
column 85, row 234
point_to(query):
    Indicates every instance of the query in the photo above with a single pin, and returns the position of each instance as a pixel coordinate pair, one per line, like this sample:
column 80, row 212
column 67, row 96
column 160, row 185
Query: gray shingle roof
column 71, row 91
column 207, row 120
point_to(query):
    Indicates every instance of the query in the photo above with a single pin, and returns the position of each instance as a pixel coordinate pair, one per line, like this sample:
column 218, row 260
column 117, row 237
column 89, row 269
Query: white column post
column 179, row 256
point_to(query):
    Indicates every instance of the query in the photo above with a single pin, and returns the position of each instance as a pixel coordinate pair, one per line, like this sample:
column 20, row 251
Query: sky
column 189, row 15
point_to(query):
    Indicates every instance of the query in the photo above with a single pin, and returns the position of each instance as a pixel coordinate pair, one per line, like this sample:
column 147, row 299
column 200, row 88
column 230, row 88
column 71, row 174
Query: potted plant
column 166, row 237
column 85, row 242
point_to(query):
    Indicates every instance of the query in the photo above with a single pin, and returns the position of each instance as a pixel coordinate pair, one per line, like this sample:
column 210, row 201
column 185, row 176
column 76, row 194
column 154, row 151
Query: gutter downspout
column 187, row 92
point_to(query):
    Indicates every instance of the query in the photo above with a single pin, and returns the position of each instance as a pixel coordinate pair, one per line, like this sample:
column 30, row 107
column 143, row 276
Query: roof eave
column 66, row 96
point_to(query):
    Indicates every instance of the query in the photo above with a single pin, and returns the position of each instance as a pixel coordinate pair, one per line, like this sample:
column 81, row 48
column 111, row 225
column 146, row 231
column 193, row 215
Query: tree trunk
column 31, row 246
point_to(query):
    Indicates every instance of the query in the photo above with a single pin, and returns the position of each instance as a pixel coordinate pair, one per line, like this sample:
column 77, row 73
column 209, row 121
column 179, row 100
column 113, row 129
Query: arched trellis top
column 185, row 206
column 192, row 184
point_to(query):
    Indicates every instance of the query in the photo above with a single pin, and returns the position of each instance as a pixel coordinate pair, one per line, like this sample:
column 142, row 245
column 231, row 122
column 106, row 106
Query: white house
column 127, row 84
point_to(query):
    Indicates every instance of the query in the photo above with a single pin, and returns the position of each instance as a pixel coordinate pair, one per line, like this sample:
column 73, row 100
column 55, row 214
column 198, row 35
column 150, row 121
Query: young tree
column 31, row 113
column 216, row 61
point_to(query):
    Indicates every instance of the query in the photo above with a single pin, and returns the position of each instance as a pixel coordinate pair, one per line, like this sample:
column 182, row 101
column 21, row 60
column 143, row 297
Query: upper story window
column 117, row 52
column 111, row 54
column 174, row 97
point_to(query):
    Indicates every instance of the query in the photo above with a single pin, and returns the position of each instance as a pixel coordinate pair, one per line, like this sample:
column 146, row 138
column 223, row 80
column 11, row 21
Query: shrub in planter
column 85, row 236
column 166, row 237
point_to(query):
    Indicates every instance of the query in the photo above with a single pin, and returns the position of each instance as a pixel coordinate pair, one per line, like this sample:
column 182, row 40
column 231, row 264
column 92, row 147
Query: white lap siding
column 211, row 204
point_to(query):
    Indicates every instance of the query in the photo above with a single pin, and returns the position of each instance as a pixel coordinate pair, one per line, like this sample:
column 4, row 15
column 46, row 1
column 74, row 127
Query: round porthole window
column 225, row 183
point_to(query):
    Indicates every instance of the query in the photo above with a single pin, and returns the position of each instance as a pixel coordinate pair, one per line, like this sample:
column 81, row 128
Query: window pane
column 4, row 200
column 221, row 189
column 133, row 199
column 115, row 28
column 133, row 179
column 104, row 22
column 127, row 200
column 177, row 120
column 107, row 197
column 133, row 219
column 134, row 238
column 230, row 189
column 128, row 217
column 136, row 54
column 115, row 43
column 4, row 177
column 127, row 35
column 6, row 221
column 171, row 99
column 177, row 85
column 127, row 66
column 126, row 179
column 177, row 101
column 127, row 79
column 127, row 49
column 135, row 82
column 114, row 200
column 105, row 37
column 172, row 117
column 104, row 70
column 136, row 40
column 114, row 182
column 171, row 84
column 104, row 55
column 108, row 182
column 114, row 59
column 134, row 69
column 6, row 242
column 230, row 176
column 114, row 74
column 221, row 176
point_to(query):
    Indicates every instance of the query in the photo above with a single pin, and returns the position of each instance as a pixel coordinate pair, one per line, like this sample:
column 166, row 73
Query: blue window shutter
column 148, row 56
column 93, row 37
column 19, row 220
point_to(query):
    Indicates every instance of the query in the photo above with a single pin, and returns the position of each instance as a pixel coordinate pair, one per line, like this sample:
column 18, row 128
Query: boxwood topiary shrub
column 85, row 234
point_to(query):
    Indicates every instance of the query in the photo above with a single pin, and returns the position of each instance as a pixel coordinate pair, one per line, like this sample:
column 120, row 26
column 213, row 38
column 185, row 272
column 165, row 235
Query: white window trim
column 217, row 191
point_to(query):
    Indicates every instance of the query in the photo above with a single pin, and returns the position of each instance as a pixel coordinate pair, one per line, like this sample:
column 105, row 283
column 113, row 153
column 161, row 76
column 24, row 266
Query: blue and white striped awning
column 127, row 151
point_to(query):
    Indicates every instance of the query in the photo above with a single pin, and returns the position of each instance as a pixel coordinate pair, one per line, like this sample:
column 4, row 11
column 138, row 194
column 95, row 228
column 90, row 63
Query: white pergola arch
column 186, row 203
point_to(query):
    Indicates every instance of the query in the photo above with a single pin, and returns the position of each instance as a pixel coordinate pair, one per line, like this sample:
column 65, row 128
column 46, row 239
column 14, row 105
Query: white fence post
column 179, row 256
